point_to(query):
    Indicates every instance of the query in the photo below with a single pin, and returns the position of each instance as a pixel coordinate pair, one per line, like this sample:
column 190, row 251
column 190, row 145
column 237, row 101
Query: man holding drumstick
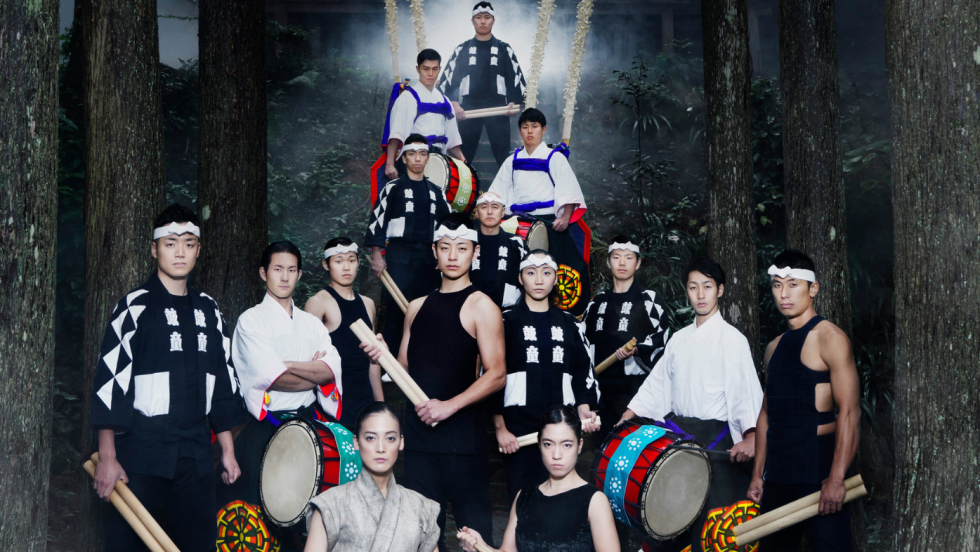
column 706, row 384
column 163, row 378
column 802, row 446
column 402, row 223
column 444, row 333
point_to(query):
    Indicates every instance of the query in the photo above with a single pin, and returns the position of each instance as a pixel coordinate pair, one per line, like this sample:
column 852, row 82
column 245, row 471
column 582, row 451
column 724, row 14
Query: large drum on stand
column 534, row 232
column 657, row 491
column 457, row 179
column 303, row 459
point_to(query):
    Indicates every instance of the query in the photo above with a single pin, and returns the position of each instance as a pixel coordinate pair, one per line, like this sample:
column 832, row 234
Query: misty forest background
column 638, row 148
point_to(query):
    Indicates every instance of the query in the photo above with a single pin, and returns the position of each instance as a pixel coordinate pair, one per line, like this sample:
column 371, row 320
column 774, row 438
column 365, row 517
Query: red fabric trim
column 377, row 166
column 587, row 245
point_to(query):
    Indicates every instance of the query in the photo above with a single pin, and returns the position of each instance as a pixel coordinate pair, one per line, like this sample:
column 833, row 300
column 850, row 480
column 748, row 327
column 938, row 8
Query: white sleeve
column 743, row 393
column 402, row 117
column 452, row 135
column 256, row 363
column 503, row 183
column 567, row 189
column 653, row 399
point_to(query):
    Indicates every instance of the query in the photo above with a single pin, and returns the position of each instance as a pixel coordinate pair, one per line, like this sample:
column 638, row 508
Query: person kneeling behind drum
column 373, row 512
column 563, row 513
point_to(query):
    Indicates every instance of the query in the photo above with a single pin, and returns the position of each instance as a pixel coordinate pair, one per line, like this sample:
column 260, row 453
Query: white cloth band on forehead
column 177, row 229
column 484, row 9
column 798, row 273
column 417, row 146
column 538, row 260
column 460, row 233
column 338, row 249
column 490, row 197
column 628, row 246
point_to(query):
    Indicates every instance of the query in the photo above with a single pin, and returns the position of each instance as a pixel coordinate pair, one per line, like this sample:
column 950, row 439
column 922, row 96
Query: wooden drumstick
column 127, row 513
column 492, row 112
column 142, row 513
column 612, row 358
column 483, row 547
column 793, row 518
column 532, row 438
column 396, row 293
column 792, row 507
column 391, row 365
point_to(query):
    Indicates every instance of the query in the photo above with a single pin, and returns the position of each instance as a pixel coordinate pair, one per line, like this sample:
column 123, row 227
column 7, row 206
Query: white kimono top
column 358, row 518
column 525, row 187
column 707, row 373
column 266, row 337
column 403, row 122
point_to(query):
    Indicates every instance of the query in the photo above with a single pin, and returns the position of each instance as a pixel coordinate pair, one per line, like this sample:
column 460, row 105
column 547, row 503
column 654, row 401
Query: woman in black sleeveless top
column 563, row 514
column 338, row 306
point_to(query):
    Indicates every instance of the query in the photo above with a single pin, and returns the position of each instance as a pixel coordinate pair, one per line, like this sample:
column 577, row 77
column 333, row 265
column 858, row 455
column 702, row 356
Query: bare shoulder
column 368, row 303
column 770, row 349
column 834, row 344
column 482, row 305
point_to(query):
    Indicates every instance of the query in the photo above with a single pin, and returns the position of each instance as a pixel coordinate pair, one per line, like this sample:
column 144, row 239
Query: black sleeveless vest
column 354, row 363
column 791, row 451
column 442, row 361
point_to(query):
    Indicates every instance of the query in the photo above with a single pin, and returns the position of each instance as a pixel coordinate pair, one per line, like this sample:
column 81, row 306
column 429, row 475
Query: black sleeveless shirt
column 558, row 523
column 356, row 385
column 442, row 361
column 792, row 452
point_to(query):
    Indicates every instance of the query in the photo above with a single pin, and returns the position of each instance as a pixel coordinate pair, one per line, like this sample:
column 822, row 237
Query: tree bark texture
column 232, row 194
column 124, row 176
column 28, row 235
column 933, row 57
column 731, row 228
column 813, row 169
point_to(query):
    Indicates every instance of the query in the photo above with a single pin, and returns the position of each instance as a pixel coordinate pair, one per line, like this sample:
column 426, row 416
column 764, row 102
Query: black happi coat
column 140, row 387
column 405, row 217
column 496, row 266
column 484, row 71
column 547, row 363
column 611, row 320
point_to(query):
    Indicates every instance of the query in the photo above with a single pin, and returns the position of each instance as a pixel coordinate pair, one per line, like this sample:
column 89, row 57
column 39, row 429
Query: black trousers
column 186, row 500
column 462, row 480
column 498, row 131
column 523, row 468
column 415, row 278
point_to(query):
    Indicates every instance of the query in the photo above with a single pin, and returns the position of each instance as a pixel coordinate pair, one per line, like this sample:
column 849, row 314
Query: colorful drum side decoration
column 717, row 534
column 569, row 286
column 241, row 529
column 655, row 490
column 303, row 459
column 457, row 179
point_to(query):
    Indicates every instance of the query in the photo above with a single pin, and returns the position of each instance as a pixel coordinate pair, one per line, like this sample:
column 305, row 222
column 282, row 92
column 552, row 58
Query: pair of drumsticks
column 135, row 514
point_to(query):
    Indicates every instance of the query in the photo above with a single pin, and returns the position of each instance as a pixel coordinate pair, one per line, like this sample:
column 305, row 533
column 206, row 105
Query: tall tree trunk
column 933, row 58
column 813, row 170
column 124, row 175
column 28, row 234
column 731, row 229
column 232, row 194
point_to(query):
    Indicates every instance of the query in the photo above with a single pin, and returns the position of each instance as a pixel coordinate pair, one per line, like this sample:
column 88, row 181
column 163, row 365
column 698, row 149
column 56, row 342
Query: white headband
column 538, row 260
column 417, row 146
column 461, row 232
column 490, row 197
column 178, row 229
column 797, row 273
column 338, row 249
column 628, row 246
column 484, row 9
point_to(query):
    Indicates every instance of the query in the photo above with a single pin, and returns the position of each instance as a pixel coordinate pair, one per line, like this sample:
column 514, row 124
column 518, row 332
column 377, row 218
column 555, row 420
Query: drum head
column 291, row 473
column 674, row 492
column 537, row 237
column 437, row 170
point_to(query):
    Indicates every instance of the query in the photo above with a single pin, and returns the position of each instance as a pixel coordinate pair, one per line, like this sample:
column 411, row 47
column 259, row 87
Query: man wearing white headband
column 445, row 332
column 483, row 72
column 286, row 364
column 614, row 317
column 163, row 383
column 401, row 225
column 706, row 385
column 495, row 266
column 338, row 306
column 802, row 445
column 548, row 363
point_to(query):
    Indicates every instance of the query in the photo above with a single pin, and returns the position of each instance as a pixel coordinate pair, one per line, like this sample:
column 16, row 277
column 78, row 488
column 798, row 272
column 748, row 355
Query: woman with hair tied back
column 373, row 513
column 564, row 513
